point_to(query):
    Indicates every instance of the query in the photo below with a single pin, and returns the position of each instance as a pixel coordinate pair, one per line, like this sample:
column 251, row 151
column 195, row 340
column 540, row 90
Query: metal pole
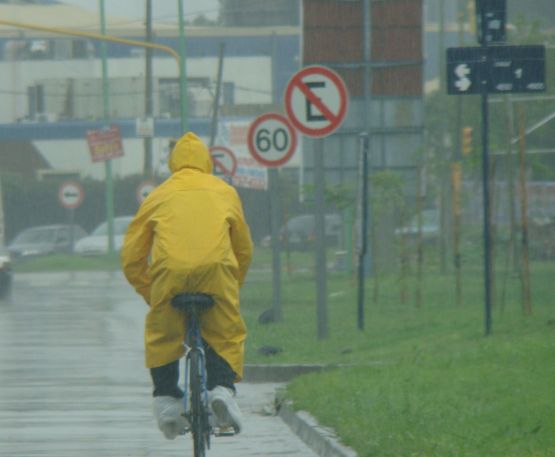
column 273, row 187
column 364, row 229
column 71, row 223
column 367, row 15
column 182, row 69
column 148, row 89
column 456, row 180
column 320, row 245
column 525, row 261
column 485, row 183
column 216, row 104
column 107, row 163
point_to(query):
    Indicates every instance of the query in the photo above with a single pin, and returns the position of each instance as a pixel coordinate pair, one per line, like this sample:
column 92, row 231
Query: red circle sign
column 272, row 140
column 224, row 160
column 71, row 194
column 144, row 189
column 316, row 101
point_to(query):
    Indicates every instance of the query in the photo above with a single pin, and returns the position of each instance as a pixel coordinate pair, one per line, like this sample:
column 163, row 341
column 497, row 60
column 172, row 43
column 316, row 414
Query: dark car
column 43, row 240
column 299, row 231
column 5, row 274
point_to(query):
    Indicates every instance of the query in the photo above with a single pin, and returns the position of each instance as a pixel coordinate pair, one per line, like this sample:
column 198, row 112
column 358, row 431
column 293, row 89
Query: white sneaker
column 225, row 408
column 169, row 413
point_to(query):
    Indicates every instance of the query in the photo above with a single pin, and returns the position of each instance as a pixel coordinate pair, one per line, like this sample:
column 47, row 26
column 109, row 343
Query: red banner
column 105, row 144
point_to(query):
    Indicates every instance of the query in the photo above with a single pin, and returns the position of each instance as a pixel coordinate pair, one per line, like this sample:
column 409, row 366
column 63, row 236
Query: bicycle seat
column 192, row 303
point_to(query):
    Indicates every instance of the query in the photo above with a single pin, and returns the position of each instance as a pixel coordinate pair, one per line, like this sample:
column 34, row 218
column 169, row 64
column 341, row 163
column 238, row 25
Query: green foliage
column 387, row 192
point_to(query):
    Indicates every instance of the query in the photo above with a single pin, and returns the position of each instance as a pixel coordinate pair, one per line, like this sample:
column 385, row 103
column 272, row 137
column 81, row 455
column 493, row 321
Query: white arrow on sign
column 464, row 83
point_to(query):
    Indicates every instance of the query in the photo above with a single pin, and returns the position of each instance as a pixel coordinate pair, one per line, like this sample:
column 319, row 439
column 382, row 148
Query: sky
column 162, row 10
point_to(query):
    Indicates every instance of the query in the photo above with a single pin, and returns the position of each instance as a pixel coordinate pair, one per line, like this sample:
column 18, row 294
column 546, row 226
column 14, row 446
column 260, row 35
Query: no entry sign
column 225, row 162
column 71, row 194
column 272, row 140
column 316, row 101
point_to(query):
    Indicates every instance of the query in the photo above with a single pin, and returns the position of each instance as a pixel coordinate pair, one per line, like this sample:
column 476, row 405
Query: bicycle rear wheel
column 199, row 416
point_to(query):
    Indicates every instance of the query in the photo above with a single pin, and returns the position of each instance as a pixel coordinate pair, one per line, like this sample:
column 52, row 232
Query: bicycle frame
column 194, row 342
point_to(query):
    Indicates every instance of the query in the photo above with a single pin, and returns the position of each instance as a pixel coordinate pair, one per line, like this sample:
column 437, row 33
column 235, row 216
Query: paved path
column 72, row 382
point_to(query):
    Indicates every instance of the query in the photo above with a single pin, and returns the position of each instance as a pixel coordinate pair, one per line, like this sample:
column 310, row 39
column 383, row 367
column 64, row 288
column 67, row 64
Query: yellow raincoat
column 190, row 235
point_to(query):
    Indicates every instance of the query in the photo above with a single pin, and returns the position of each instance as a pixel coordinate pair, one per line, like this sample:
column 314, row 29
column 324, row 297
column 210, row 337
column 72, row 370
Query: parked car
column 97, row 242
column 430, row 226
column 43, row 240
column 5, row 273
column 299, row 232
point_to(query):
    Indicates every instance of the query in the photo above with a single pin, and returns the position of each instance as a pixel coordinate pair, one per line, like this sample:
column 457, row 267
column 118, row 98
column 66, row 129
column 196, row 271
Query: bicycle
column 197, row 410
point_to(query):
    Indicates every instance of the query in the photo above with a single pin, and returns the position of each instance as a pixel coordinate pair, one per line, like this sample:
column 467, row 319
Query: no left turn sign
column 272, row 140
column 71, row 194
column 316, row 101
column 225, row 162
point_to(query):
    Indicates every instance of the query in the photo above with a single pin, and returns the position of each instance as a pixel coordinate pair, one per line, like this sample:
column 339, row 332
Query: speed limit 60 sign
column 272, row 140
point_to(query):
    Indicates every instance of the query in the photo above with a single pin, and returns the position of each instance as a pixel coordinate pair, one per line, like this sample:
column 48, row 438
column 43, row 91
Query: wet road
column 72, row 381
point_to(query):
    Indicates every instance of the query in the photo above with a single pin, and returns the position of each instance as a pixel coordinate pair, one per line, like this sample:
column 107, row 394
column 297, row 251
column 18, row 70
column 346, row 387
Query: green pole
column 107, row 163
column 182, row 70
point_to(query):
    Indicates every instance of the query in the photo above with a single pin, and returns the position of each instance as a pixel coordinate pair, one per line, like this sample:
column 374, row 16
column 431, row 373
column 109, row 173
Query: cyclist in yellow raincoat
column 190, row 235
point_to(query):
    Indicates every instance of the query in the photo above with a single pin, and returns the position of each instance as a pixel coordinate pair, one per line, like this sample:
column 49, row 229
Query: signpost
column 71, row 195
column 502, row 69
column 496, row 69
column 105, row 144
column 225, row 162
column 272, row 142
column 316, row 102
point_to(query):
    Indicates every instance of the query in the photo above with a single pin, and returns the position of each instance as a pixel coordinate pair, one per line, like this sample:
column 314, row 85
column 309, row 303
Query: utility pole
column 182, row 69
column 446, row 144
column 148, row 89
column 106, row 104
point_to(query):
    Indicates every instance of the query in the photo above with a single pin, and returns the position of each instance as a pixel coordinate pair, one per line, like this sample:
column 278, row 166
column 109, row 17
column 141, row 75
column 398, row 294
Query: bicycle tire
column 199, row 422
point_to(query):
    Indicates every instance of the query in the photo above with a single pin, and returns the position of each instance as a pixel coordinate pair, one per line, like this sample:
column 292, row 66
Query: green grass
column 417, row 381
column 420, row 381
column 65, row 262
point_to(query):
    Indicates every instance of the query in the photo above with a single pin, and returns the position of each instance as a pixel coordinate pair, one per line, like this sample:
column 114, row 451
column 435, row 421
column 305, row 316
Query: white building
column 51, row 84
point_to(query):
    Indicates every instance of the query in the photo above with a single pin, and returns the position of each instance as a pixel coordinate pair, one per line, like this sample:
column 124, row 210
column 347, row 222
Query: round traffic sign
column 316, row 101
column 71, row 194
column 143, row 189
column 225, row 162
column 272, row 140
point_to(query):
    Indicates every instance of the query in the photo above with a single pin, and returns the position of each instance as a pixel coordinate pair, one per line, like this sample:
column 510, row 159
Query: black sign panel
column 516, row 69
column 493, row 13
column 502, row 69
column 465, row 70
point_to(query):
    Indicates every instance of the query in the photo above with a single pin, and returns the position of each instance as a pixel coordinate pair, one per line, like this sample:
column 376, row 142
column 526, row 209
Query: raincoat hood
column 190, row 152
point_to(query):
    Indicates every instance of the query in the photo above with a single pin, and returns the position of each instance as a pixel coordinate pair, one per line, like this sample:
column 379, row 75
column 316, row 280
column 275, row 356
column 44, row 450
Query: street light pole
column 106, row 104
column 182, row 69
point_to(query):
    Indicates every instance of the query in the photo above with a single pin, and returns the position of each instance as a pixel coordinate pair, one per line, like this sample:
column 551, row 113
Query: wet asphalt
column 73, row 383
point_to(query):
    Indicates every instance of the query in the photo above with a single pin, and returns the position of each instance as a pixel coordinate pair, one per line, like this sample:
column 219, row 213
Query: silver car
column 44, row 240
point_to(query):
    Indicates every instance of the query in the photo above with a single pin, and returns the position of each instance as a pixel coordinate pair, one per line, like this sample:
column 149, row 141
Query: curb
column 322, row 440
column 278, row 373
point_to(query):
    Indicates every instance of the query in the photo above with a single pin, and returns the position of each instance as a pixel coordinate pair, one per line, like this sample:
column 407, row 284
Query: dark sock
column 165, row 380
column 219, row 373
